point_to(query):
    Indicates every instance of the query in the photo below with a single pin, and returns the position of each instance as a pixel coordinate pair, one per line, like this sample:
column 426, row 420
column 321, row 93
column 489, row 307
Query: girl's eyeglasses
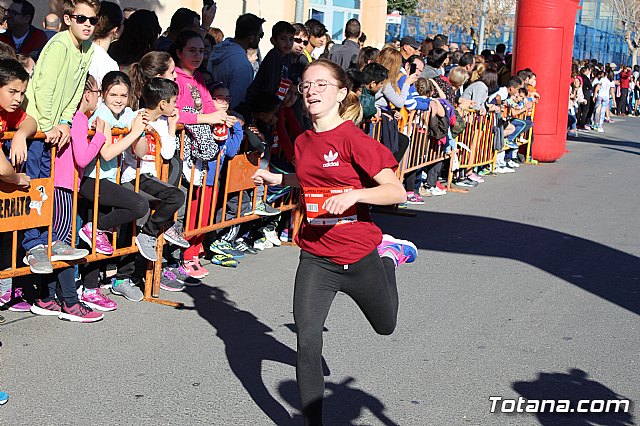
column 320, row 85
column 299, row 40
column 81, row 19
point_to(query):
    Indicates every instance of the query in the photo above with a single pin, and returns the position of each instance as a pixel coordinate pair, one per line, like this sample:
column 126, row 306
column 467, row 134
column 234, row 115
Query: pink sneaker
column 194, row 269
column 474, row 177
column 103, row 246
column 15, row 303
column 79, row 313
column 96, row 299
column 400, row 251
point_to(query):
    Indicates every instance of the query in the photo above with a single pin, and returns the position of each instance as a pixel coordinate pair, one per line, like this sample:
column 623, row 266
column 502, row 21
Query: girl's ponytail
column 350, row 108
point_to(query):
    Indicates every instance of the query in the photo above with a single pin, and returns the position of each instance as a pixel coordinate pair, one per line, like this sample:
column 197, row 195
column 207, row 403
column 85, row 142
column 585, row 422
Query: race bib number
column 283, row 88
column 151, row 147
column 314, row 199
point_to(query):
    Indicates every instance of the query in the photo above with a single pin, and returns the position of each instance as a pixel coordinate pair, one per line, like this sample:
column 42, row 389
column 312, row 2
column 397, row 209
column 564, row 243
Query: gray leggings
column 370, row 282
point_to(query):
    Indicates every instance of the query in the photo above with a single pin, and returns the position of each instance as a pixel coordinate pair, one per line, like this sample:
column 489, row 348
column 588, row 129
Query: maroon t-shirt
column 333, row 162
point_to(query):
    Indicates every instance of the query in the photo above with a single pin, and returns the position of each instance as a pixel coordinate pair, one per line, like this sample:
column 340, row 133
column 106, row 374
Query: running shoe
column 413, row 198
column 96, row 299
column 503, row 170
column 263, row 209
column 242, row 246
column 284, row 236
column 224, row 260
column 147, row 246
column 4, row 397
column 437, row 191
column 474, row 177
column 466, row 183
column 184, row 278
column 270, row 234
column 63, row 251
column 174, row 236
column 169, row 281
column 194, row 269
column 512, row 164
column 127, row 289
column 224, row 247
column 262, row 243
column 50, row 308
column 400, row 251
column 15, row 303
column 510, row 144
column 38, row 260
column 103, row 245
column 79, row 312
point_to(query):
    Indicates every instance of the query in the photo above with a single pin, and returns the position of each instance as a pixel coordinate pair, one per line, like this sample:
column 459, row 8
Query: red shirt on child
column 11, row 120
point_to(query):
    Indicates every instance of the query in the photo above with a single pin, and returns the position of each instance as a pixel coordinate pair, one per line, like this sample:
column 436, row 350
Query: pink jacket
column 184, row 81
column 76, row 154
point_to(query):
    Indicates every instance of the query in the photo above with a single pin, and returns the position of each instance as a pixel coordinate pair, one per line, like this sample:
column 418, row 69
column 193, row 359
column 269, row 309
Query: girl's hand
column 338, row 204
column 139, row 123
column 219, row 117
column 23, row 180
column 262, row 176
column 231, row 121
column 173, row 118
column 99, row 125
column 106, row 131
column 18, row 154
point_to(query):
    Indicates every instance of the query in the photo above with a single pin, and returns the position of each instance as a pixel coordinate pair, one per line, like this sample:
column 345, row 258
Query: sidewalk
column 529, row 285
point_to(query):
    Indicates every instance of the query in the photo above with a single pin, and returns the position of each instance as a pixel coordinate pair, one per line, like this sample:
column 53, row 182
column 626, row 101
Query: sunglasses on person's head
column 81, row 19
column 299, row 40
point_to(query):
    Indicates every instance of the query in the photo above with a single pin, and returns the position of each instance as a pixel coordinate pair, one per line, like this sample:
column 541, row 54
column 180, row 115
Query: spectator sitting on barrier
column 139, row 36
column 13, row 82
column 229, row 137
column 21, row 34
column 229, row 64
column 273, row 74
column 71, row 158
column 127, row 205
column 53, row 96
column 428, row 91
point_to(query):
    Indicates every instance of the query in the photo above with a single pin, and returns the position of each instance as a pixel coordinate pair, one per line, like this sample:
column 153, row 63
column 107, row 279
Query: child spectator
column 53, row 96
column 127, row 206
column 273, row 75
column 229, row 63
column 13, row 82
column 367, row 55
column 71, row 158
column 374, row 77
column 316, row 32
column 229, row 143
column 288, row 127
column 153, row 64
column 298, row 60
column 108, row 29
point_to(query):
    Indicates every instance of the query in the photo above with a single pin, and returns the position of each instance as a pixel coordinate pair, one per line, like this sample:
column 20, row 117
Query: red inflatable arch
column 544, row 33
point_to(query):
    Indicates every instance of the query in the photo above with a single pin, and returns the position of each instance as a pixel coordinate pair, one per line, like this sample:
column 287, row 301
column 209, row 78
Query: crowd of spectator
column 99, row 67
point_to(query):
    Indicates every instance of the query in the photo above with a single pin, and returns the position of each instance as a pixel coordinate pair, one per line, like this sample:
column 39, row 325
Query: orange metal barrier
column 423, row 150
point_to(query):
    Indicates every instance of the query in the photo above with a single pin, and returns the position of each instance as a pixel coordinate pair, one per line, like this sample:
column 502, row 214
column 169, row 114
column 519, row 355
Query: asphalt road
column 529, row 285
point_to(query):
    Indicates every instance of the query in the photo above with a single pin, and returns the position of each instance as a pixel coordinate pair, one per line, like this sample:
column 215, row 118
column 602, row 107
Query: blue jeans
column 521, row 127
column 38, row 166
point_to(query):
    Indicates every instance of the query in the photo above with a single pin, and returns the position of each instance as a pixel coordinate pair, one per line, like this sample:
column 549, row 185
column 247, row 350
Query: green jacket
column 368, row 102
column 56, row 87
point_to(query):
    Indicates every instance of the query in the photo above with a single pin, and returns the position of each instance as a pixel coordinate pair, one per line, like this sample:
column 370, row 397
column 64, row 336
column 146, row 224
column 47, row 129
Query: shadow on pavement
column 623, row 150
column 603, row 139
column 573, row 387
column 604, row 271
column 343, row 405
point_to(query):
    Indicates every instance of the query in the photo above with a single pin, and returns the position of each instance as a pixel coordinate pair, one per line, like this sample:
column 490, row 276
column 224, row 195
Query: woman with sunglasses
column 340, row 171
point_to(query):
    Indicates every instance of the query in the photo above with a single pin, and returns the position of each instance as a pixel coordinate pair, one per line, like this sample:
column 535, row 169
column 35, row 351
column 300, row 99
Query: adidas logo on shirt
column 330, row 159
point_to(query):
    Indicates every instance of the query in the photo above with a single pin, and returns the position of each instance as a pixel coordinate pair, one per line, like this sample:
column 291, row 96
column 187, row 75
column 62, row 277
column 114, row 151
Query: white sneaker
column 437, row 191
column 600, row 130
column 262, row 243
column 503, row 170
column 512, row 164
column 272, row 237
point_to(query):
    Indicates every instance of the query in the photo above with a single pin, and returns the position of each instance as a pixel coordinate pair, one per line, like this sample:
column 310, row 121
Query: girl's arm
column 389, row 191
column 84, row 153
column 111, row 150
column 27, row 128
column 265, row 177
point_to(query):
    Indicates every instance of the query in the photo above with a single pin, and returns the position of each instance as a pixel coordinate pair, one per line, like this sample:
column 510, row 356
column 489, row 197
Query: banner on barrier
column 24, row 208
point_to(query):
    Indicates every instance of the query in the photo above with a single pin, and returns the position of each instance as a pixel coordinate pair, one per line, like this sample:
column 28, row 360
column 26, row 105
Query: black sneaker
column 241, row 245
column 263, row 209
column 466, row 183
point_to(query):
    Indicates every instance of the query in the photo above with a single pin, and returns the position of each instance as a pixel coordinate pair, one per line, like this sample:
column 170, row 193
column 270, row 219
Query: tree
column 628, row 12
column 406, row 7
column 465, row 15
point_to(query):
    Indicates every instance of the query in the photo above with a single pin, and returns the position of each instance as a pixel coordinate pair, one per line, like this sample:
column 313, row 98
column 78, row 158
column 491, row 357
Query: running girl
column 340, row 171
